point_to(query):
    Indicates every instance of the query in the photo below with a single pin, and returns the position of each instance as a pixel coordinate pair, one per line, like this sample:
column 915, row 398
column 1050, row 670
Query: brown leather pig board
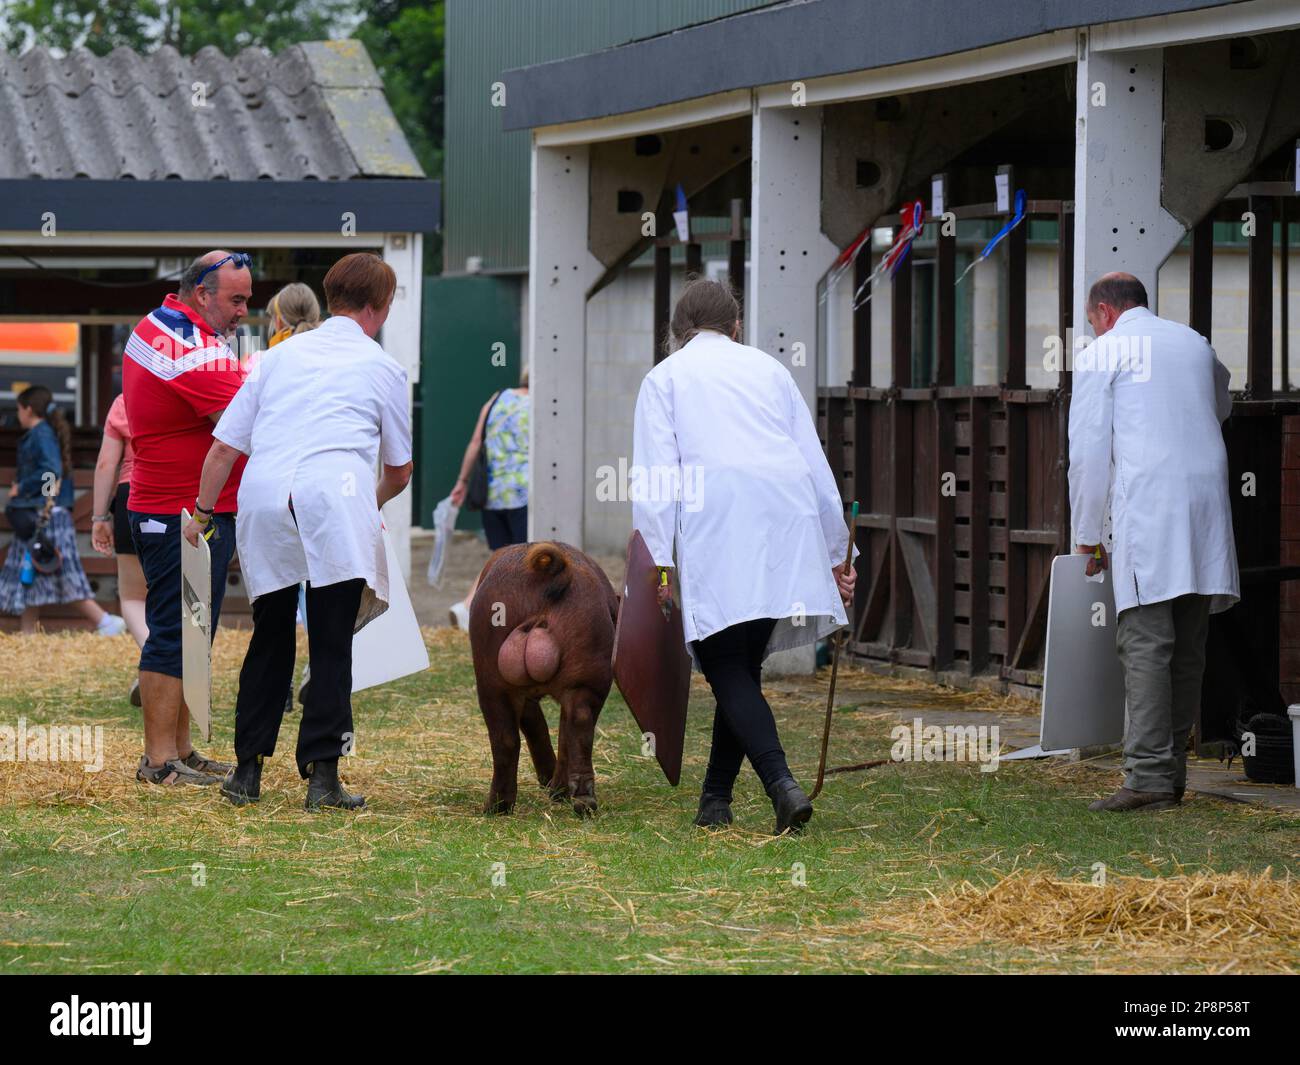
column 651, row 665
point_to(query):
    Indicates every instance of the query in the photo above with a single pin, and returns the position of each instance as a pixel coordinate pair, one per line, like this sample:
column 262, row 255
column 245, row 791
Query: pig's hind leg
column 538, row 734
column 501, row 715
column 574, row 773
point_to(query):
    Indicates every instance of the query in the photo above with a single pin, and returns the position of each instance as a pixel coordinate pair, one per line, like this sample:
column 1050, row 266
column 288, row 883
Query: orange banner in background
column 39, row 338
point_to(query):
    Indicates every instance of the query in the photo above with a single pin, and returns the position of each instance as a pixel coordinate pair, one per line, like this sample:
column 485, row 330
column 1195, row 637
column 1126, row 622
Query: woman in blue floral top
column 502, row 427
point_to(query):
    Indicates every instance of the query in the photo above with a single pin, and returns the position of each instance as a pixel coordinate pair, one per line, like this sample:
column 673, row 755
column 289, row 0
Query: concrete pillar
column 400, row 337
column 788, row 252
column 560, row 269
column 788, row 256
column 1119, row 223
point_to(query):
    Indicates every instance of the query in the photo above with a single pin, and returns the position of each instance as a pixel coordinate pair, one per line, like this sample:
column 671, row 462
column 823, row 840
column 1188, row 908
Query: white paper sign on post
column 1002, row 186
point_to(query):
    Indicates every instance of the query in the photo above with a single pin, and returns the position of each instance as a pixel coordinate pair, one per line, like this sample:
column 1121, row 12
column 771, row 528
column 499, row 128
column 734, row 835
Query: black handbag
column 32, row 524
column 46, row 558
column 22, row 520
column 476, row 490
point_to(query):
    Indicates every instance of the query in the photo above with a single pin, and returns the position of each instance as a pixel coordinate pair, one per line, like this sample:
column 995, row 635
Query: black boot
column 714, row 811
column 243, row 784
column 792, row 806
column 324, row 789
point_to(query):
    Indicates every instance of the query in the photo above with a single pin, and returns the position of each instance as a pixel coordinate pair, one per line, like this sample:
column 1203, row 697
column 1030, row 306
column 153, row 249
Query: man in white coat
column 1145, row 435
column 317, row 417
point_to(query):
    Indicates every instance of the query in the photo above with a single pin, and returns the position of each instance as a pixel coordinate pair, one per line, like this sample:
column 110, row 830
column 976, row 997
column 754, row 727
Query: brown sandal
column 170, row 773
column 206, row 766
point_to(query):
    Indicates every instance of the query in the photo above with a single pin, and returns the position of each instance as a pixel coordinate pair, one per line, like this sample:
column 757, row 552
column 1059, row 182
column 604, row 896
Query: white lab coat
column 758, row 522
column 1145, row 433
column 315, row 416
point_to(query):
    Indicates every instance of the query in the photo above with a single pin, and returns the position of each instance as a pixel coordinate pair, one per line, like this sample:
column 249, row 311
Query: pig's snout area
column 528, row 657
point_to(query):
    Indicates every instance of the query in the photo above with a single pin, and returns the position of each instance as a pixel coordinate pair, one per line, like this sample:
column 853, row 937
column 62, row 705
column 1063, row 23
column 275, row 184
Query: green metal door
column 470, row 327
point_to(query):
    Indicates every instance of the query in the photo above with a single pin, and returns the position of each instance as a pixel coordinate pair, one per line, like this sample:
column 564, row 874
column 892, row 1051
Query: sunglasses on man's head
column 241, row 259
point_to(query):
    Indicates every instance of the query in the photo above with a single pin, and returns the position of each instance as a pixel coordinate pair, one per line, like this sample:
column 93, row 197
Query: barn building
column 1153, row 136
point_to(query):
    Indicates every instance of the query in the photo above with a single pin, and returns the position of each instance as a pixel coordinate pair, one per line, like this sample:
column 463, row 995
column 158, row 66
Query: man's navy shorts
column 159, row 549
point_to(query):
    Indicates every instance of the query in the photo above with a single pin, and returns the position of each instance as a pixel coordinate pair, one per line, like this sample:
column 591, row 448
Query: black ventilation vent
column 1247, row 53
column 1222, row 134
column 889, row 109
column 868, row 174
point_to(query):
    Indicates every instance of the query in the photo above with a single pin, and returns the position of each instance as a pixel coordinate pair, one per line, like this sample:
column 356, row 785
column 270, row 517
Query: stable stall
column 1153, row 136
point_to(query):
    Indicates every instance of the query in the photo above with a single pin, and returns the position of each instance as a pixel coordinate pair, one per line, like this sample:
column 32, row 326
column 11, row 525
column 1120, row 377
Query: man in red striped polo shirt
column 178, row 376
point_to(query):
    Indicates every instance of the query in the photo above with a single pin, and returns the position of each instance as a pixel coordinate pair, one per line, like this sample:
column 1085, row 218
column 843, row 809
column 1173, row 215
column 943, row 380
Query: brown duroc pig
column 542, row 623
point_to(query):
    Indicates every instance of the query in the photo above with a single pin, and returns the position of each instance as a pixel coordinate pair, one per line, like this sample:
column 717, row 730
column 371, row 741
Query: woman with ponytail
column 752, row 521
column 40, row 510
column 292, row 310
column 110, row 531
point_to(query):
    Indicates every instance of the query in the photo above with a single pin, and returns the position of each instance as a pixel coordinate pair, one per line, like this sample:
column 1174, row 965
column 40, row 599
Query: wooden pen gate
column 965, row 495
column 963, row 489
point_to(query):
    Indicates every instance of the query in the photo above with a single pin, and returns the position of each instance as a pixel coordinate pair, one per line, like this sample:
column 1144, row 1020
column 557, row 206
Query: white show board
column 196, row 630
column 392, row 645
column 1083, row 682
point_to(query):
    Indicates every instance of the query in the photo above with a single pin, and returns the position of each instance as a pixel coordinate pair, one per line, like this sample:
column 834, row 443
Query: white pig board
column 1083, row 682
column 196, row 630
column 392, row 645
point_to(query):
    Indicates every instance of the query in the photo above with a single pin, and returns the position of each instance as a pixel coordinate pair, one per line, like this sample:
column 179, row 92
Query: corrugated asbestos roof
column 315, row 111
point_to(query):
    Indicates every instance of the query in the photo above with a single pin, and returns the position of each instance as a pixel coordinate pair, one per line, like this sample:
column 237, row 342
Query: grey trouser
column 1162, row 649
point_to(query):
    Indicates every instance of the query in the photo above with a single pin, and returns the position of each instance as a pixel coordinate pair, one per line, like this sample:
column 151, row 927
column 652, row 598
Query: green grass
column 97, row 875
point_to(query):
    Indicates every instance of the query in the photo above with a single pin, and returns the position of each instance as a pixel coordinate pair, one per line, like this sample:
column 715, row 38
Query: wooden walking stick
column 838, row 639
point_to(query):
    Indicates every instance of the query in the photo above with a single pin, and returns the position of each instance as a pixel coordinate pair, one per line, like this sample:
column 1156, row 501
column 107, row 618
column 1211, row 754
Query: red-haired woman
column 317, row 416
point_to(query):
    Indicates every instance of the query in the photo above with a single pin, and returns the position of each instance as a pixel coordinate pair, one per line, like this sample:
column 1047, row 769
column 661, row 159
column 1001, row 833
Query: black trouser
column 743, row 726
column 268, row 672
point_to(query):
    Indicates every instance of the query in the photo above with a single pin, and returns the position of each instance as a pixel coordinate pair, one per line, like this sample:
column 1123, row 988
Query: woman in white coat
column 316, row 417
column 731, row 472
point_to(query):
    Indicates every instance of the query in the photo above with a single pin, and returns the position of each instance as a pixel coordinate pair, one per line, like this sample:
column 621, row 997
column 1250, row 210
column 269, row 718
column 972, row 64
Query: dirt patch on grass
column 856, row 684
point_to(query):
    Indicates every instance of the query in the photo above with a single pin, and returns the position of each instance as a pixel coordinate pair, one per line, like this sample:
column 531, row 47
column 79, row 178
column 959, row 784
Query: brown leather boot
column 1125, row 800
